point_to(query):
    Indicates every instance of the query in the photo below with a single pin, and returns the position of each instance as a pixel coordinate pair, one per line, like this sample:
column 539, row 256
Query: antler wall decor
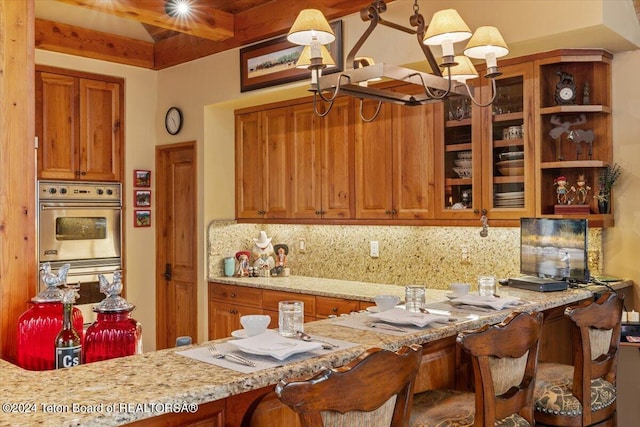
column 577, row 136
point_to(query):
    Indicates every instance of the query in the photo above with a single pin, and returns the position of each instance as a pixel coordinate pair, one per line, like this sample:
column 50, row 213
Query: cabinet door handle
column 387, row 212
column 334, row 309
column 83, row 173
column 393, row 211
column 167, row 272
column 233, row 295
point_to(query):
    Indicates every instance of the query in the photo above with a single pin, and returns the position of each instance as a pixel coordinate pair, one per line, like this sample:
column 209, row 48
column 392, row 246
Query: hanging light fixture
column 445, row 29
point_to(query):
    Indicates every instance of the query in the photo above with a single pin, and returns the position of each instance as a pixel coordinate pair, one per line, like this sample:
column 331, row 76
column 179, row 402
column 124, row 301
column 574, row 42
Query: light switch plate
column 374, row 250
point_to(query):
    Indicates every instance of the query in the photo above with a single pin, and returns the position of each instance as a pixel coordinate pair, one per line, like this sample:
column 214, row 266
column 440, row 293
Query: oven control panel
column 87, row 191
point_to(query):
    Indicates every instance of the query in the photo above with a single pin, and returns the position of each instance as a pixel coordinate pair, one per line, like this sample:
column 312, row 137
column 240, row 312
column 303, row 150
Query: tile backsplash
column 428, row 255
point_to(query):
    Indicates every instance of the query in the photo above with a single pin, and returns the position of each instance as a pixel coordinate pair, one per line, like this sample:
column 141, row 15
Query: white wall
column 140, row 138
column 622, row 242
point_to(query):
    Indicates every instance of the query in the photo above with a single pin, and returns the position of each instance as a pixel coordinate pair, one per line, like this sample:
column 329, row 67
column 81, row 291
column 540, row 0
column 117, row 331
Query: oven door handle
column 92, row 273
column 52, row 207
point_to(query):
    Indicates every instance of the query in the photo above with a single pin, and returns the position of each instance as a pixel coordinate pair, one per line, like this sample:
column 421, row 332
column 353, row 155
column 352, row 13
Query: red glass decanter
column 39, row 325
column 114, row 333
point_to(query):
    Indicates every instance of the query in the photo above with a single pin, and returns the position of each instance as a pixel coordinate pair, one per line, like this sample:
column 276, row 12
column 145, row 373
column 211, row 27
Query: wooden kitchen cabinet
column 328, row 306
column 322, row 162
column 481, row 168
column 227, row 303
column 394, row 162
column 262, row 163
column 78, row 125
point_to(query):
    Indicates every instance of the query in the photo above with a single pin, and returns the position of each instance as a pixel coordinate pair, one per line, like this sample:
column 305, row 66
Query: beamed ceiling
column 215, row 26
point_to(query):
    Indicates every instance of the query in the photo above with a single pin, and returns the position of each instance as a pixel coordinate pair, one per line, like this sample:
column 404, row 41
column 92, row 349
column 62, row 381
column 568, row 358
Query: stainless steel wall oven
column 79, row 223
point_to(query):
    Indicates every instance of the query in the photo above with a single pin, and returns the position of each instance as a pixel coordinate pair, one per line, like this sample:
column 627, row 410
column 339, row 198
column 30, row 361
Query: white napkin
column 404, row 317
column 497, row 303
column 274, row 345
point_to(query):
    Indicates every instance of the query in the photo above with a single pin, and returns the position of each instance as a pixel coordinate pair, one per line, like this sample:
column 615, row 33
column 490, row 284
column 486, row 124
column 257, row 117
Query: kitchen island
column 165, row 386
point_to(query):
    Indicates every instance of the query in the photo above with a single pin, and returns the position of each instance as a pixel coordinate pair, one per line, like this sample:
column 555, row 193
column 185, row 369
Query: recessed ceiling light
column 176, row 8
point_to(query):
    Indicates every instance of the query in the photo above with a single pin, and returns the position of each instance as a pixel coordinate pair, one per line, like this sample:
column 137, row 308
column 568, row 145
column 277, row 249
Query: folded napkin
column 404, row 317
column 274, row 345
column 497, row 303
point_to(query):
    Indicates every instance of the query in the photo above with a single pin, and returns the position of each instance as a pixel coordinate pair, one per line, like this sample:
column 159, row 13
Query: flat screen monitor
column 554, row 248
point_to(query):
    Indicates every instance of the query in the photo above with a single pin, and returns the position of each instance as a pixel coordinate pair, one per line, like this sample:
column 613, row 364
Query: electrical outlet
column 374, row 249
column 302, row 245
column 465, row 254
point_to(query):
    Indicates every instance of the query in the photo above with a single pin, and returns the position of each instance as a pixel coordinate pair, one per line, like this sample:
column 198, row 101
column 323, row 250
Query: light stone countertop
column 136, row 387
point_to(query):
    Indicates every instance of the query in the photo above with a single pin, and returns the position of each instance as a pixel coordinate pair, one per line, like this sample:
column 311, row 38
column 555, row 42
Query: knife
column 387, row 327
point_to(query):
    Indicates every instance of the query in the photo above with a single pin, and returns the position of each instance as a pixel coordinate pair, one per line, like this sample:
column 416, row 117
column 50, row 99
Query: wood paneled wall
column 17, row 168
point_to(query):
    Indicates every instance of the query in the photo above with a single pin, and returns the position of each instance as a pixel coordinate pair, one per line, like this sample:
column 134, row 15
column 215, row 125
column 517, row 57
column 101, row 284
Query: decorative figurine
column 282, row 251
column 561, row 190
column 576, row 136
column 263, row 251
column 243, row 263
column 581, row 190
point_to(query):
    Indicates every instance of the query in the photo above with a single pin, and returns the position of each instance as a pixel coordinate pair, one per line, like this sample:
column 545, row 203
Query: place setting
column 389, row 317
column 486, row 300
column 255, row 347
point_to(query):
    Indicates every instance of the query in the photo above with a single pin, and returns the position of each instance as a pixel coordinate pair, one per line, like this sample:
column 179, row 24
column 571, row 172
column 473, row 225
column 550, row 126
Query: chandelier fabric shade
column 446, row 25
column 304, row 60
column 486, row 40
column 309, row 25
column 463, row 71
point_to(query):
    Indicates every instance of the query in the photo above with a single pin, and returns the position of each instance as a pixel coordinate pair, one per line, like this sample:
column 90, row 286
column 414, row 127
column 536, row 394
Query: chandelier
column 448, row 78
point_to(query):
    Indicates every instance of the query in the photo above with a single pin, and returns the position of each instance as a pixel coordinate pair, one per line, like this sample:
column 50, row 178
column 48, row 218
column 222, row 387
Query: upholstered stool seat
column 554, row 392
column 583, row 394
column 504, row 360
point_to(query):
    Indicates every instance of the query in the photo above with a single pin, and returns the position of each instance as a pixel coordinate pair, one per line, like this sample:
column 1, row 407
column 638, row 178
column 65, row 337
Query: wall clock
column 173, row 120
column 565, row 89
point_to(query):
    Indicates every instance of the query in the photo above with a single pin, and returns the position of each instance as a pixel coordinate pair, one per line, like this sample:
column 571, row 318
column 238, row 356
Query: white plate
column 450, row 295
column 240, row 333
column 373, row 309
column 272, row 344
column 401, row 316
column 511, row 155
column 510, row 195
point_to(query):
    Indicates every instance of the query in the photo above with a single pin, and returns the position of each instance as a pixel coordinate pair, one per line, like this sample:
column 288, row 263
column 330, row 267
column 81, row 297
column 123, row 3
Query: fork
column 385, row 326
column 232, row 357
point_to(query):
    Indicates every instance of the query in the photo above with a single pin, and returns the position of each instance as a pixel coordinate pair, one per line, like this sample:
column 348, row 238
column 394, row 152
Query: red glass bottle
column 39, row 325
column 114, row 333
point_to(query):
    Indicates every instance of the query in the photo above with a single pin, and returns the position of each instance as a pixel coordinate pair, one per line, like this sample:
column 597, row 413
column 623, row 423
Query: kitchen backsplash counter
column 408, row 255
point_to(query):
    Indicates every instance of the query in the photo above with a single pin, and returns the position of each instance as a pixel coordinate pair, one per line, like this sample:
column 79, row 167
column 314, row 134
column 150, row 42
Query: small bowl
column 386, row 302
column 464, row 154
column 463, row 172
column 463, row 163
column 460, row 289
column 255, row 324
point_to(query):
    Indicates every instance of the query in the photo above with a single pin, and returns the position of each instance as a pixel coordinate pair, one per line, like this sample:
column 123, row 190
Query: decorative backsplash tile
column 428, row 255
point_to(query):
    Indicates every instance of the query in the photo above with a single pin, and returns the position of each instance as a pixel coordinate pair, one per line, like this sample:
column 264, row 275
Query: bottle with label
column 68, row 343
column 39, row 325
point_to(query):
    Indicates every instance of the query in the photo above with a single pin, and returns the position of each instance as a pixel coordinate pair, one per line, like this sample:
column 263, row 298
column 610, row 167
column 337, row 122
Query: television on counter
column 554, row 248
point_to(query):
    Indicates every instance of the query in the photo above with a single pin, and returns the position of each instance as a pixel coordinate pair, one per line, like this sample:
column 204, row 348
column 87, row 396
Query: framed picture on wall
column 142, row 198
column 273, row 62
column 142, row 218
column 141, row 178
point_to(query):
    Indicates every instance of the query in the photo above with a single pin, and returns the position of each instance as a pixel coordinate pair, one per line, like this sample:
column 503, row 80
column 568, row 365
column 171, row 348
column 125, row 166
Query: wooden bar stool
column 504, row 359
column 584, row 394
column 374, row 390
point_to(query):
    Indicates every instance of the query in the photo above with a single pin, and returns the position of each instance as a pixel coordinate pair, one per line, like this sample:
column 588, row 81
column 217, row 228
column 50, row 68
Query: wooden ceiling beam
column 205, row 21
column 256, row 24
column 79, row 41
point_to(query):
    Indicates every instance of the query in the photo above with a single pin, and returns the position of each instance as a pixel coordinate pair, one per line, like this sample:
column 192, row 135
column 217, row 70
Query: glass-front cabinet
column 485, row 155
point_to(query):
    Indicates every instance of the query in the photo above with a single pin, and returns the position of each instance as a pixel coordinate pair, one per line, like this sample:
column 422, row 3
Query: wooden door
column 57, row 126
column 276, row 127
column 338, row 161
column 176, row 243
column 413, row 161
column 374, row 163
column 306, row 163
column 100, row 130
column 250, row 166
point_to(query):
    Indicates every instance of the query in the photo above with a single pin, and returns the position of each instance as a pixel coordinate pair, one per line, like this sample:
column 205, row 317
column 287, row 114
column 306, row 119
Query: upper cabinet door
column 306, row 163
column 250, row 166
column 374, row 162
column 413, row 159
column 100, row 130
column 276, row 125
column 57, row 126
column 508, row 162
column 337, row 164
column 79, row 127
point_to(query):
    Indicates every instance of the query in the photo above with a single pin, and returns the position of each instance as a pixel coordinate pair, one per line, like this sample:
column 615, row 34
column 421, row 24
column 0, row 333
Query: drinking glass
column 487, row 285
column 414, row 298
column 290, row 318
